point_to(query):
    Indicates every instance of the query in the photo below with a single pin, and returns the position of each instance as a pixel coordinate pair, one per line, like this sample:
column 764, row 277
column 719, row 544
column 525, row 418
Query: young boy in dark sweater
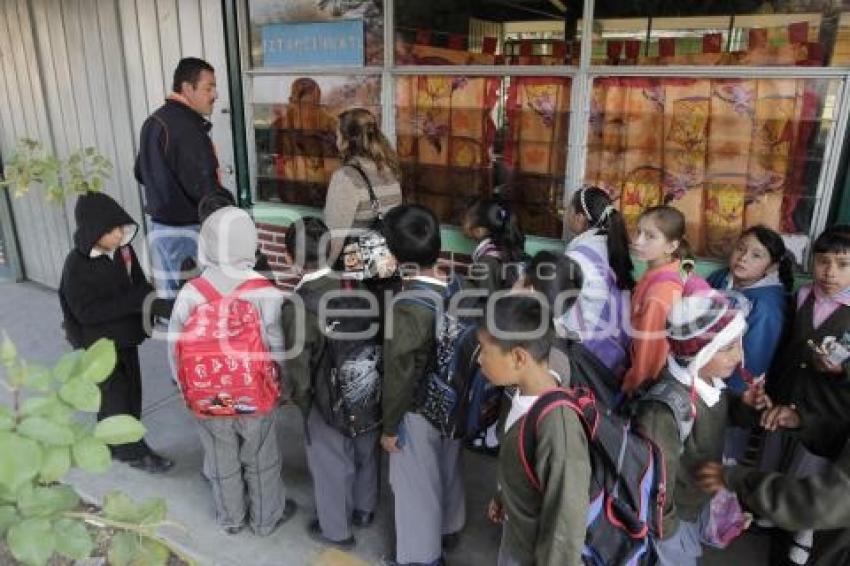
column 102, row 293
column 806, row 378
column 686, row 412
column 546, row 525
column 344, row 468
column 424, row 464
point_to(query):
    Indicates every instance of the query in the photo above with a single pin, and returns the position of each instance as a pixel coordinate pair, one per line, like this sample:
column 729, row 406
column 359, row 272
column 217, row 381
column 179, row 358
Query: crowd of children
column 703, row 370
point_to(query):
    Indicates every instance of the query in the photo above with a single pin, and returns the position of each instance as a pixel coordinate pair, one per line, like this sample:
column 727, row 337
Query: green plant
column 42, row 439
column 84, row 170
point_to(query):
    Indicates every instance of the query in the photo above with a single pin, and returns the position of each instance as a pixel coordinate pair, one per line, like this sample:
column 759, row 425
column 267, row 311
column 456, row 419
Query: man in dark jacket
column 177, row 165
column 102, row 294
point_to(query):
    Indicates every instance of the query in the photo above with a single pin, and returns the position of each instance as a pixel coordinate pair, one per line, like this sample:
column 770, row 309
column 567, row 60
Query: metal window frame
column 582, row 75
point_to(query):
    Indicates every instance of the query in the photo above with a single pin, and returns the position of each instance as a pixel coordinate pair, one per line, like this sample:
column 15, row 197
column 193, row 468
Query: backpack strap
column 205, row 288
column 373, row 199
column 579, row 399
column 252, row 285
column 678, row 400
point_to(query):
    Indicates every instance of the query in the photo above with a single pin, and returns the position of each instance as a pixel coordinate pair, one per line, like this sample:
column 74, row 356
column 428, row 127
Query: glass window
column 447, row 32
column 729, row 153
column 747, row 32
column 460, row 138
column 295, row 125
column 323, row 32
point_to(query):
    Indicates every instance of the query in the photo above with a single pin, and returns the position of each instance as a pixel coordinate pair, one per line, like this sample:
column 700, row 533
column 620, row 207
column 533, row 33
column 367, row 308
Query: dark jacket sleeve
column 741, row 414
column 486, row 273
column 90, row 307
column 563, row 466
column 403, row 352
column 300, row 367
column 816, row 502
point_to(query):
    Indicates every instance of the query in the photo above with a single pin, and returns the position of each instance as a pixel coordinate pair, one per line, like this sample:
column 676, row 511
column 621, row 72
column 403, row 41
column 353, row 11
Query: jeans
column 170, row 246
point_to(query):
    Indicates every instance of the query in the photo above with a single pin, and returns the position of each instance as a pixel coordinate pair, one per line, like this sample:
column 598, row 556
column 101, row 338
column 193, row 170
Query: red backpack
column 223, row 365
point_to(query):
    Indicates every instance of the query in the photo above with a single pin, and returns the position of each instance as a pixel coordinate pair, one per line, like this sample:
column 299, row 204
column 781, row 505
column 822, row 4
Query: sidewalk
column 30, row 315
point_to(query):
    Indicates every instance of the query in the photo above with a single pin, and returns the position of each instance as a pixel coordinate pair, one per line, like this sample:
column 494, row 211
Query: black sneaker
column 152, row 463
column 362, row 519
column 314, row 530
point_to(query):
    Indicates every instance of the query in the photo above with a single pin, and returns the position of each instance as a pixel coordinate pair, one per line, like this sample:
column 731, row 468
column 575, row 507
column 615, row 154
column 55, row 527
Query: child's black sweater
column 100, row 296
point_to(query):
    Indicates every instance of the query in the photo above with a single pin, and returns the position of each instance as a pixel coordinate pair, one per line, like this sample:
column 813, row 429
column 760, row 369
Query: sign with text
column 319, row 44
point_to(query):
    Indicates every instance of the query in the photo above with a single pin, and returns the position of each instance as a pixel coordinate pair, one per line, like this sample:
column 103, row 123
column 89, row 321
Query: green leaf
column 25, row 464
column 48, row 501
column 49, row 407
column 8, row 352
column 48, row 432
column 96, row 184
column 129, row 549
column 57, row 463
column 37, row 378
column 118, row 506
column 119, row 429
column 32, row 541
column 73, row 539
column 98, row 361
column 7, row 421
column 92, row 455
column 8, row 517
column 121, row 507
column 66, row 367
column 123, row 548
column 81, row 394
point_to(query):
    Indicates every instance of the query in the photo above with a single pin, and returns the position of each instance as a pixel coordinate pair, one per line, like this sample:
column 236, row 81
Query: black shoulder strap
column 678, row 400
column 376, row 206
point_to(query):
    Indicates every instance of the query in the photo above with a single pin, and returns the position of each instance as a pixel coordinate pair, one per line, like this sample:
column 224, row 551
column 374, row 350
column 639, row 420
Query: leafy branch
column 40, row 517
column 84, row 170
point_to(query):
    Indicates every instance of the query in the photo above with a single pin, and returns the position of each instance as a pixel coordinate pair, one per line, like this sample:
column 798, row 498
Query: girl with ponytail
column 600, row 248
column 660, row 243
column 367, row 184
column 761, row 271
column 498, row 258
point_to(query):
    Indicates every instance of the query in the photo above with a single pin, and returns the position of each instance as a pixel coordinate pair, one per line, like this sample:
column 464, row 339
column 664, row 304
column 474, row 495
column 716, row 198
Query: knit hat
column 700, row 325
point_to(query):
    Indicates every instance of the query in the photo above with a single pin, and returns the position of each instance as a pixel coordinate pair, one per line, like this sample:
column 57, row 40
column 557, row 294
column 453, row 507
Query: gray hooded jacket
column 226, row 248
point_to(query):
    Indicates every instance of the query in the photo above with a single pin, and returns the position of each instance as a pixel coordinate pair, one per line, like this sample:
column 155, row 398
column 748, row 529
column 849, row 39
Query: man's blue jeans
column 170, row 246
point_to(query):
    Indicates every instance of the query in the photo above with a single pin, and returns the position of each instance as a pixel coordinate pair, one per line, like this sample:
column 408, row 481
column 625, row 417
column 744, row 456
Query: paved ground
column 30, row 315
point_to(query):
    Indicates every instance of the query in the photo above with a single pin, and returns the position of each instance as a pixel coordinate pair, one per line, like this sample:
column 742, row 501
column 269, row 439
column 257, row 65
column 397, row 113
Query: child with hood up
column 102, row 293
column 242, row 458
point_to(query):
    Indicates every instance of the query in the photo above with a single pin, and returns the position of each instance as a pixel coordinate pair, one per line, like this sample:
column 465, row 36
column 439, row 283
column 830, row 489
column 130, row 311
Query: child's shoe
column 314, row 530
column 362, row 519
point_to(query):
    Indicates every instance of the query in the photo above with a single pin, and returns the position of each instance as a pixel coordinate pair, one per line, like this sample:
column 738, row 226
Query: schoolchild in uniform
column 344, row 469
column 546, row 525
column 424, row 465
column 242, row 458
column 686, row 413
column 760, row 272
column 660, row 242
column 499, row 252
column 102, row 293
column 805, row 378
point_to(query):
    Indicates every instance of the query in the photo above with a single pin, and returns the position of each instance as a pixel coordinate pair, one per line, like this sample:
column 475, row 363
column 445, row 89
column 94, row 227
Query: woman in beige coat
column 367, row 160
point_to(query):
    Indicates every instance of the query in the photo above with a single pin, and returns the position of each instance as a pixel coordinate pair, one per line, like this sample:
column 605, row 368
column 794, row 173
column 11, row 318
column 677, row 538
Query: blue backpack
column 454, row 396
column 627, row 483
column 608, row 338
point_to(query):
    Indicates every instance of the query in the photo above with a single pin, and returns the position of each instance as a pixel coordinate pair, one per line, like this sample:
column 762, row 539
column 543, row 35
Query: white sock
column 799, row 555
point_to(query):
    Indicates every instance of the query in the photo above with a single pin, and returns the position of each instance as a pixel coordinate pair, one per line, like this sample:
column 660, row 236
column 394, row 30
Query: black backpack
column 347, row 382
column 587, row 370
column 627, row 483
column 448, row 389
